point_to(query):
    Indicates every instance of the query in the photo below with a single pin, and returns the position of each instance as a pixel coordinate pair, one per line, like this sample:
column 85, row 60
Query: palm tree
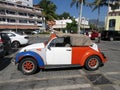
column 48, row 12
column 79, row 4
column 49, row 9
column 97, row 4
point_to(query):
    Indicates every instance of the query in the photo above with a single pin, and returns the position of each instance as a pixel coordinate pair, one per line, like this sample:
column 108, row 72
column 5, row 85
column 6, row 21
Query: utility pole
column 106, row 21
column 80, row 16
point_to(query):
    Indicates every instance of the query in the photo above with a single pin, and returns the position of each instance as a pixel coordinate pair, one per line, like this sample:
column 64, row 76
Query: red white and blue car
column 60, row 50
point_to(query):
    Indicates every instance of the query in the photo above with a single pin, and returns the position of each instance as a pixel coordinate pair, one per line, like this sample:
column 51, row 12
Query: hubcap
column 93, row 63
column 28, row 66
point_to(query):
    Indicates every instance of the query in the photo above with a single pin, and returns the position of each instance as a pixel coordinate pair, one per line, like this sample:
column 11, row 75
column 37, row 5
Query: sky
column 64, row 6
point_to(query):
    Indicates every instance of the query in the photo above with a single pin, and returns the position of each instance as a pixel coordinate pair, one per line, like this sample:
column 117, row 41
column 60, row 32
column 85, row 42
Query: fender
column 88, row 54
column 37, row 57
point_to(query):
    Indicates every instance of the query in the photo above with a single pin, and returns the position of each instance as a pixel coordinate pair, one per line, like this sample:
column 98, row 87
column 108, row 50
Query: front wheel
column 92, row 63
column 28, row 66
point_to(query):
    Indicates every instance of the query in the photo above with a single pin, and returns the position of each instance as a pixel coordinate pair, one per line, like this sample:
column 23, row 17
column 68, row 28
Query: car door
column 57, row 53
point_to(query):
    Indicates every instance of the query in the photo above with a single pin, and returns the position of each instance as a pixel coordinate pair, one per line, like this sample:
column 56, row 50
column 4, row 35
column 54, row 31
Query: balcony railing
column 24, row 9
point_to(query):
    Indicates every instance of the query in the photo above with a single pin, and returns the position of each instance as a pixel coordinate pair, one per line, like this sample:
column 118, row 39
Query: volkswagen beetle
column 59, row 51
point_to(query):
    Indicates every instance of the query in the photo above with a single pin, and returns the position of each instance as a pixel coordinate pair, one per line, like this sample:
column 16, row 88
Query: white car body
column 17, row 37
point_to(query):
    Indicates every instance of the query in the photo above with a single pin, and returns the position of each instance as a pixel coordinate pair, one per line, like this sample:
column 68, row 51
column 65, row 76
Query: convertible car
column 59, row 51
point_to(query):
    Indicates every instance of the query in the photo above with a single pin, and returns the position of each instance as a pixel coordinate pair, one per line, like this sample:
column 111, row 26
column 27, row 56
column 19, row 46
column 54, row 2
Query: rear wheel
column 92, row 63
column 15, row 44
column 28, row 66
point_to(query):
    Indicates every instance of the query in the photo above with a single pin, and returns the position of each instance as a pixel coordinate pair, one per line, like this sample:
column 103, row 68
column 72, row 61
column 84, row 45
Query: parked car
column 36, row 32
column 93, row 35
column 60, row 50
column 1, row 48
column 110, row 35
column 17, row 39
column 5, row 44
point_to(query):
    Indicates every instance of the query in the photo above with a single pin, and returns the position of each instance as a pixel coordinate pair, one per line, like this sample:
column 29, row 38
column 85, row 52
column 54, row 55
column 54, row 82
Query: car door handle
column 68, row 50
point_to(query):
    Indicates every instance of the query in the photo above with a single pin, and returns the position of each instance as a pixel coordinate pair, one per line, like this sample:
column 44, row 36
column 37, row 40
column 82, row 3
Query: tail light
column 1, row 41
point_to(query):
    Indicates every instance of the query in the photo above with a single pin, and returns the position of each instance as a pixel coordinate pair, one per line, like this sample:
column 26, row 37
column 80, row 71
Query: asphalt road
column 106, row 78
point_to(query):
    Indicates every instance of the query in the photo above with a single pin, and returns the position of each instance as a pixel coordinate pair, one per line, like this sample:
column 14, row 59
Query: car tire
column 15, row 44
column 92, row 63
column 111, row 39
column 28, row 66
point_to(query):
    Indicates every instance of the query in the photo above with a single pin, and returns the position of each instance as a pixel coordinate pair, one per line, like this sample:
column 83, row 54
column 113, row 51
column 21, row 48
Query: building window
column 10, row 12
column 11, row 20
column 2, row 11
column 31, row 21
column 112, row 23
column 22, row 21
column 115, row 7
column 22, row 14
column 2, row 19
column 31, row 15
column 10, row 4
column 39, row 22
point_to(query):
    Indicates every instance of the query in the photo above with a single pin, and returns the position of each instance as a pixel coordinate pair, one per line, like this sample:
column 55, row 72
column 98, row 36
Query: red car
column 94, row 35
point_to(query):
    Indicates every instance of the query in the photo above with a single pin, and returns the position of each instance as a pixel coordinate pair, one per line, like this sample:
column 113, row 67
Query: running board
column 61, row 66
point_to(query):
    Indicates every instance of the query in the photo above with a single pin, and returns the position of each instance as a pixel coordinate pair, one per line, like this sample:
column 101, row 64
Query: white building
column 60, row 24
column 22, row 2
column 113, row 17
column 19, row 17
column 84, row 22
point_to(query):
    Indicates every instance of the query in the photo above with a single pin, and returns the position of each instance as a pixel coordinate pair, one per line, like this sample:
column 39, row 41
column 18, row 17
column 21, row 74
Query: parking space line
column 111, row 73
column 38, row 79
column 66, row 87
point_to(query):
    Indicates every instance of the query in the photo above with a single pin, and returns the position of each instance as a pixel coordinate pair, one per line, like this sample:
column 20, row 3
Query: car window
column 58, row 42
column 11, row 35
column 4, row 36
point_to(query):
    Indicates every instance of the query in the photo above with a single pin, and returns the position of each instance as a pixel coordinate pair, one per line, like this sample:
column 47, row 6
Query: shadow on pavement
column 4, row 63
column 61, row 69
